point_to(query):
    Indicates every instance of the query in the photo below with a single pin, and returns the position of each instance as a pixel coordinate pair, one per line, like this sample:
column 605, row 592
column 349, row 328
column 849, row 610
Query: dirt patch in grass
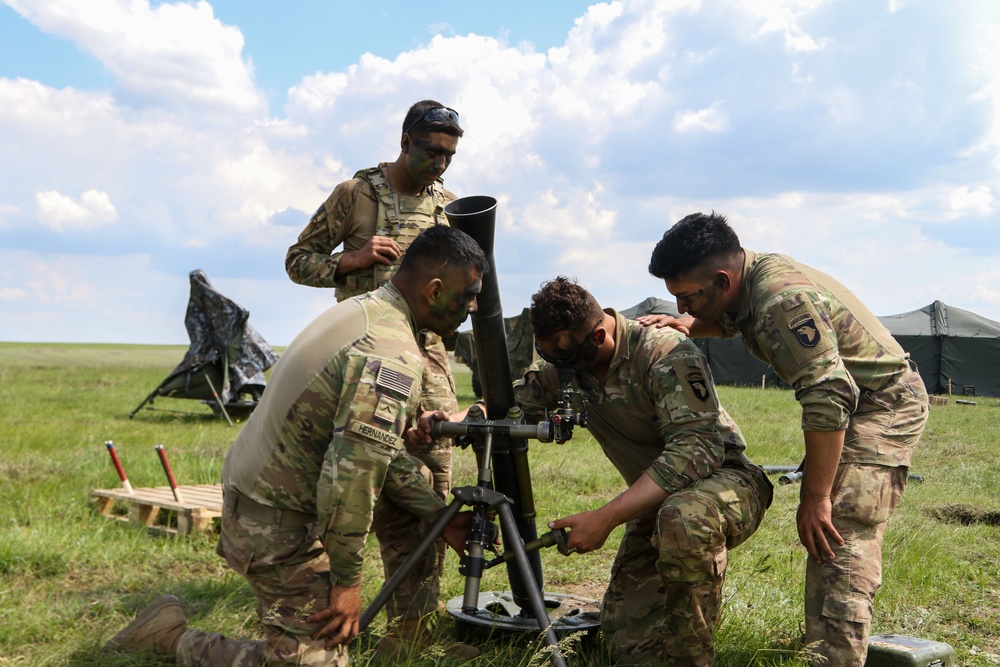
column 593, row 590
column 966, row 515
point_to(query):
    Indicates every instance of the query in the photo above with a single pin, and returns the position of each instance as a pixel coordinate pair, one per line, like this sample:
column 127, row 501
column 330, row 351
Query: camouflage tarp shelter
column 950, row 344
column 225, row 363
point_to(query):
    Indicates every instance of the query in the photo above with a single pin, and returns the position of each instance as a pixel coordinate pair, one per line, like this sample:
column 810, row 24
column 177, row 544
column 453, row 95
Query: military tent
column 948, row 345
column 952, row 347
column 728, row 359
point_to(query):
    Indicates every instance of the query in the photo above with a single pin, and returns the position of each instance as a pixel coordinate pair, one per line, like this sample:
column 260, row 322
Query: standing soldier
column 375, row 216
column 864, row 407
column 303, row 475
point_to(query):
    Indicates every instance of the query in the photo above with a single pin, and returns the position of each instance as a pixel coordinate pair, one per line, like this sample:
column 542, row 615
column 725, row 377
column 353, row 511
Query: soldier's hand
column 587, row 531
column 377, row 250
column 420, row 434
column 814, row 521
column 342, row 616
column 682, row 324
column 456, row 532
column 381, row 249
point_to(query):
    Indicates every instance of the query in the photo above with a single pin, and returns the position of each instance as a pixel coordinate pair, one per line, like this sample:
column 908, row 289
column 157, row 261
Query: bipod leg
column 534, row 591
column 390, row 586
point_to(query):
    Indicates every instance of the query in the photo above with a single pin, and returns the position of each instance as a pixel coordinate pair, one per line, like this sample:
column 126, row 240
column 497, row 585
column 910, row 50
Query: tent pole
column 144, row 401
column 218, row 401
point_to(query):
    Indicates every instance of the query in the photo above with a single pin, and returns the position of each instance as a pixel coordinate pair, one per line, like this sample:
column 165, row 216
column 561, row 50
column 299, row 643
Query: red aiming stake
column 170, row 473
column 118, row 467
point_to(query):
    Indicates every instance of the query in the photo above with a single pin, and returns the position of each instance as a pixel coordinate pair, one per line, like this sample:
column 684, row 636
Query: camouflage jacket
column 816, row 335
column 326, row 438
column 356, row 210
column 656, row 411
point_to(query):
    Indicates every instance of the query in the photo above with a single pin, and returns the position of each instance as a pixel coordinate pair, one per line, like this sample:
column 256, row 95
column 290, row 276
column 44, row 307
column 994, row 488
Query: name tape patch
column 374, row 433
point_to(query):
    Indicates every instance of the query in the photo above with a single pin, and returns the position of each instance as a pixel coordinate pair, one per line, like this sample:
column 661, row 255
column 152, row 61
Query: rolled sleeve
column 407, row 487
column 311, row 260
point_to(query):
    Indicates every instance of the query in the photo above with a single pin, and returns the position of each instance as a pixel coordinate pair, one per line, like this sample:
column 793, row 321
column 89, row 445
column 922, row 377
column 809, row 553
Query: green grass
column 70, row 578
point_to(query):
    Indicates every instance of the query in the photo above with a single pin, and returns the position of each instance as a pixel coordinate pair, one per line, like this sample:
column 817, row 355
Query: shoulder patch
column 694, row 382
column 393, row 380
column 797, row 324
column 804, row 328
column 320, row 214
column 375, row 434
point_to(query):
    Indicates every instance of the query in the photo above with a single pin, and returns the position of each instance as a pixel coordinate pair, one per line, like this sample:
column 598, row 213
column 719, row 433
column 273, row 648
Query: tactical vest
column 399, row 218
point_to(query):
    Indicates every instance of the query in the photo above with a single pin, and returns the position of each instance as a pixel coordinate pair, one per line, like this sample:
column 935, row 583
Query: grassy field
column 70, row 578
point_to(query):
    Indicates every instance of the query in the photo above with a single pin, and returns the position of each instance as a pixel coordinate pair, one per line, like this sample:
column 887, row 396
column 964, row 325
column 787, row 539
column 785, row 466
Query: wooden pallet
column 151, row 507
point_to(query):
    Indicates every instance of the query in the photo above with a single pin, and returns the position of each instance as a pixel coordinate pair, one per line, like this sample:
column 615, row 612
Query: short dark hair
column 417, row 126
column 441, row 248
column 562, row 305
column 692, row 243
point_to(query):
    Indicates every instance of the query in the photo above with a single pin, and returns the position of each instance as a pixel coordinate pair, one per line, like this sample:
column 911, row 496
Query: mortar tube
column 476, row 216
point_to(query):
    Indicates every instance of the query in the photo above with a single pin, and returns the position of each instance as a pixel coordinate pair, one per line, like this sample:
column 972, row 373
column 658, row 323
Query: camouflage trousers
column 399, row 532
column 840, row 594
column 665, row 593
column 289, row 572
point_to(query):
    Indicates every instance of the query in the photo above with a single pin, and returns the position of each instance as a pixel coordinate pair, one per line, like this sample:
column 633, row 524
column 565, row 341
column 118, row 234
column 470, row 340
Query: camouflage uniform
column 656, row 412
column 848, row 373
column 301, row 479
column 356, row 210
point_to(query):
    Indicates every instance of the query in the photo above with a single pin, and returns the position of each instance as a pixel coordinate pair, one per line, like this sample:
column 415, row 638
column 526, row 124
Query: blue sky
column 145, row 140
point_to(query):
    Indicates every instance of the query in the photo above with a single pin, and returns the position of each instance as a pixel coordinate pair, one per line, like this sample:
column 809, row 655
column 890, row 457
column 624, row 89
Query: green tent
column 953, row 348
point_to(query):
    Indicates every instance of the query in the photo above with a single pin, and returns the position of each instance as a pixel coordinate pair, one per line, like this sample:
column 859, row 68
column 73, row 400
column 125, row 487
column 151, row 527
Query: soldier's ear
column 722, row 280
column 433, row 290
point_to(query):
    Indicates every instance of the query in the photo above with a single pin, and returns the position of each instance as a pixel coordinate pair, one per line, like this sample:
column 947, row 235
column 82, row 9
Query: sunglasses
column 574, row 356
column 442, row 114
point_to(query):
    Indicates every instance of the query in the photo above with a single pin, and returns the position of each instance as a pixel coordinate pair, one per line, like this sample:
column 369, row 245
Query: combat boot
column 157, row 628
column 411, row 638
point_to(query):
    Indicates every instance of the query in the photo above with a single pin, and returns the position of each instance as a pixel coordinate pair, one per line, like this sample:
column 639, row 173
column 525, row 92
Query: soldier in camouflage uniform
column 864, row 407
column 373, row 217
column 692, row 493
column 326, row 441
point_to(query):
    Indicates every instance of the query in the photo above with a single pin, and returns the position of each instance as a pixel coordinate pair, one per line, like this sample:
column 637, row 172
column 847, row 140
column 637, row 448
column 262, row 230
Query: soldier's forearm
column 642, row 497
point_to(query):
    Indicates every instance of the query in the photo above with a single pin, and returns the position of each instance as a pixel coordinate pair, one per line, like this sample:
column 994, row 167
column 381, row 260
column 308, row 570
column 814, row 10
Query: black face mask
column 585, row 351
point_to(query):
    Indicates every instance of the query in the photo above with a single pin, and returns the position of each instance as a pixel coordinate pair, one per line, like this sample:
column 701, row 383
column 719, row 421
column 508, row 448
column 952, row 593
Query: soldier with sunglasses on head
column 354, row 243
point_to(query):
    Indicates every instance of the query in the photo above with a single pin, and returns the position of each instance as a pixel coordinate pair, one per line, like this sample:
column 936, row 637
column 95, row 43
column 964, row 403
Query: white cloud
column 12, row 294
column 846, row 148
column 710, row 120
column 176, row 54
column 795, row 43
column 975, row 200
column 61, row 213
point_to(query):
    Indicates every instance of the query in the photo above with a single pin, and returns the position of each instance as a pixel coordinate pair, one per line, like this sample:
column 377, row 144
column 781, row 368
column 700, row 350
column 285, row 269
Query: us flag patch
column 388, row 378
